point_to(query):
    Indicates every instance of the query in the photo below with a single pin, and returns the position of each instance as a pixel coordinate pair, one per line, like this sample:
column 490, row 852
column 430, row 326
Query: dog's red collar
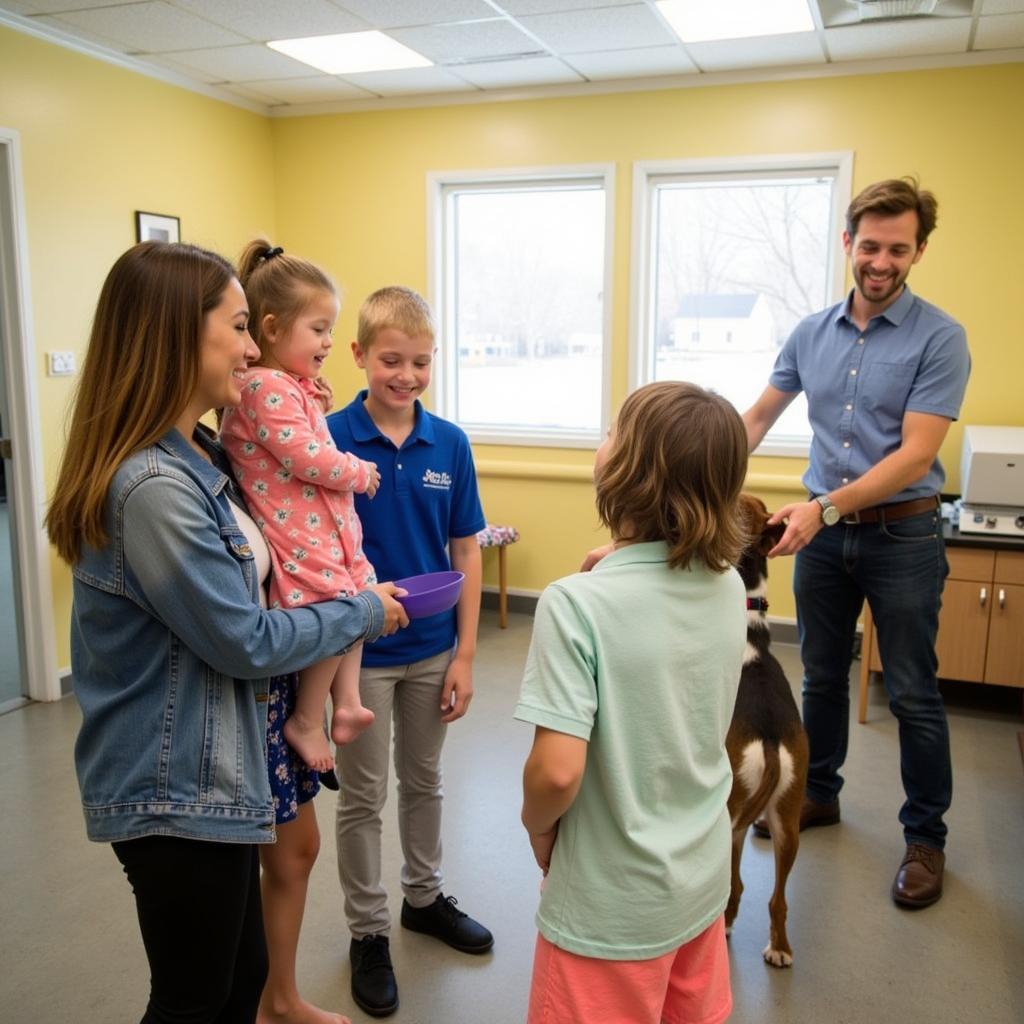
column 757, row 604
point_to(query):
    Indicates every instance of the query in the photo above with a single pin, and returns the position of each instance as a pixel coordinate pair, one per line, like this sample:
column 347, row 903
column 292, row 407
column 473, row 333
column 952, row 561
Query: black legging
column 202, row 925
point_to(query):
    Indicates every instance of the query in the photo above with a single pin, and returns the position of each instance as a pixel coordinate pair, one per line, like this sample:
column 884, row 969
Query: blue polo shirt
column 427, row 494
column 911, row 358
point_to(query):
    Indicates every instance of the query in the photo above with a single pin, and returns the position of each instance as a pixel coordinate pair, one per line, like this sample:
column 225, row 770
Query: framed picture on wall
column 156, row 227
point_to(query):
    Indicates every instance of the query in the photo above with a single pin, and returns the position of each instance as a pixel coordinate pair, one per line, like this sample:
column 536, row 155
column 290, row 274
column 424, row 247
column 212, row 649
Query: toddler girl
column 630, row 682
column 298, row 485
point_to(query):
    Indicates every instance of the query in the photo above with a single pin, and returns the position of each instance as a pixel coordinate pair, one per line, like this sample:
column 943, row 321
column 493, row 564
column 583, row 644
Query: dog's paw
column 777, row 957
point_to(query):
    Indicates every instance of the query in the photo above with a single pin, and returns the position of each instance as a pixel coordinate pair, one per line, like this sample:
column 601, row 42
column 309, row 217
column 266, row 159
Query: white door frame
column 28, row 503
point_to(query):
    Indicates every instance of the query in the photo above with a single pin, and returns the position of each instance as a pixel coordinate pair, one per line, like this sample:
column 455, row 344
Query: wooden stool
column 493, row 536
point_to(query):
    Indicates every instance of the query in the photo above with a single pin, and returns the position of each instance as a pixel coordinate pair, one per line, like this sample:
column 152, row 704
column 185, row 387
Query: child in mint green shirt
column 630, row 682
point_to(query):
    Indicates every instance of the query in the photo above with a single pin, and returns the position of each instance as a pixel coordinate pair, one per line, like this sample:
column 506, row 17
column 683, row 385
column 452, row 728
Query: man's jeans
column 900, row 568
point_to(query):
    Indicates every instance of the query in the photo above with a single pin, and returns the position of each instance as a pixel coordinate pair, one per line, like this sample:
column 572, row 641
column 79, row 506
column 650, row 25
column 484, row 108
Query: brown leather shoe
column 812, row 815
column 918, row 882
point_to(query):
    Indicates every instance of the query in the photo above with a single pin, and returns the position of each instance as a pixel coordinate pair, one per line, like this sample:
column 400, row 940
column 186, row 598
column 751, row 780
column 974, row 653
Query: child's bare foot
column 348, row 723
column 299, row 1012
column 309, row 742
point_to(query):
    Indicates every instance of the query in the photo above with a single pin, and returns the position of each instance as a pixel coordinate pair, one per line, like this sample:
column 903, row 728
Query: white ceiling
column 490, row 48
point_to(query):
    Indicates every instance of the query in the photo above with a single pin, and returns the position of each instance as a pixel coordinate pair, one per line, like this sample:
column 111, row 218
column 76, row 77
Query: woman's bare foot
column 348, row 723
column 309, row 742
column 299, row 1012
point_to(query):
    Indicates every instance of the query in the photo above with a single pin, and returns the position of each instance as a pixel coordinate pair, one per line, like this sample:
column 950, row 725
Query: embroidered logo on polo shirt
column 438, row 481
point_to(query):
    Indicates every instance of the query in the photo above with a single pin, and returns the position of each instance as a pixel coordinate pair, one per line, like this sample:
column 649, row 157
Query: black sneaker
column 446, row 922
column 374, row 988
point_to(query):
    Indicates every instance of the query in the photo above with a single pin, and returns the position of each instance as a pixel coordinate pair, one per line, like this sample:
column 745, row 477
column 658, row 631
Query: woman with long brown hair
column 171, row 650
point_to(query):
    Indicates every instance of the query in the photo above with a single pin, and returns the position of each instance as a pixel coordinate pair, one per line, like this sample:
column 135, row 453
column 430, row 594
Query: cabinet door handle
column 983, row 596
column 1002, row 598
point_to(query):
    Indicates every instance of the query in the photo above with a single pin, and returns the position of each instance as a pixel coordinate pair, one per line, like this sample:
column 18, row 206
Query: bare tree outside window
column 737, row 262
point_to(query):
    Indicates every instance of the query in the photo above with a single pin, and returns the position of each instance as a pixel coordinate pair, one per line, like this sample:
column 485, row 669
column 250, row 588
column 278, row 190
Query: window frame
column 648, row 174
column 441, row 185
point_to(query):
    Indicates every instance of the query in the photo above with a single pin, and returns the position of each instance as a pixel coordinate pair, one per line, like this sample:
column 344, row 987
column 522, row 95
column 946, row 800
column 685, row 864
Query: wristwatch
column 829, row 513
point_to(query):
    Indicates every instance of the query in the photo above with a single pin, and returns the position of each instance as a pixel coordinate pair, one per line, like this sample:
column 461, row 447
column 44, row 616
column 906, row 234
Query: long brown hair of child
column 675, row 472
column 279, row 285
column 140, row 369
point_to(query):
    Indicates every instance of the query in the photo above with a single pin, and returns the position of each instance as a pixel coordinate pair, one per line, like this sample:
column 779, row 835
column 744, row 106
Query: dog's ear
column 770, row 536
column 755, row 515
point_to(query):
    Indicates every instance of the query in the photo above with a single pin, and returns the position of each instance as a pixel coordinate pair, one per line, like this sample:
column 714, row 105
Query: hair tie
column 271, row 253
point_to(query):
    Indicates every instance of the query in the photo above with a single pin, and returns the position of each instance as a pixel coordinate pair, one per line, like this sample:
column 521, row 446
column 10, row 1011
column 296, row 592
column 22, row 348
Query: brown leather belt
column 893, row 513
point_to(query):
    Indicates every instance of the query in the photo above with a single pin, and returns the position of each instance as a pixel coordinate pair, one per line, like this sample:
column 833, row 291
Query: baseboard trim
column 520, row 602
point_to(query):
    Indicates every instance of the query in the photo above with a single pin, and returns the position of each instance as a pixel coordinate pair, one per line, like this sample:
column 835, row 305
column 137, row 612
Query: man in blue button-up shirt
column 884, row 373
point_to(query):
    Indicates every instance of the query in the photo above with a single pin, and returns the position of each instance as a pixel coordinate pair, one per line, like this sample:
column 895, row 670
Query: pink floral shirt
column 299, row 489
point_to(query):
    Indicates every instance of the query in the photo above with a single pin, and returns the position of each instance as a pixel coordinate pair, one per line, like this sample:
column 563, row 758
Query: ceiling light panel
column 351, row 52
column 697, row 21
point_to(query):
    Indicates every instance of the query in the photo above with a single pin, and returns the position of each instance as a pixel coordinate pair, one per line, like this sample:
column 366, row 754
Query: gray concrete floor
column 70, row 950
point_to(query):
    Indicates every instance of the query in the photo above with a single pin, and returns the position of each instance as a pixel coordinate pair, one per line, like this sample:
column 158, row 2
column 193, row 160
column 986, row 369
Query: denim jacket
column 172, row 654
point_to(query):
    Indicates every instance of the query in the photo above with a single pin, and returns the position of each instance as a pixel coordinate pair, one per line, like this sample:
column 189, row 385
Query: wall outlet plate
column 60, row 364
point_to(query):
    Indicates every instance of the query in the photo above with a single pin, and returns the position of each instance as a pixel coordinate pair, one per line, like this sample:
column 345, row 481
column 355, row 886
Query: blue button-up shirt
column 859, row 384
column 427, row 495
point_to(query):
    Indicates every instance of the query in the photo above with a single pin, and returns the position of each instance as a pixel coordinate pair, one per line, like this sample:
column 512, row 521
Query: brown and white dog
column 766, row 742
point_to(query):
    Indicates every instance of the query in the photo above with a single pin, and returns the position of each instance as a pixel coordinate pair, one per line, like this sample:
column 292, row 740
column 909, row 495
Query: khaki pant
column 410, row 696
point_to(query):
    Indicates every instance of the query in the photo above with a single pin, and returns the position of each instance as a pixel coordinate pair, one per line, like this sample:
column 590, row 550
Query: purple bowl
column 431, row 593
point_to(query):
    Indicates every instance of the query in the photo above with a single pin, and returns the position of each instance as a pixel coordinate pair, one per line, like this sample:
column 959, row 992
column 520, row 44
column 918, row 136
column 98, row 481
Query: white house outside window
column 521, row 265
column 728, row 257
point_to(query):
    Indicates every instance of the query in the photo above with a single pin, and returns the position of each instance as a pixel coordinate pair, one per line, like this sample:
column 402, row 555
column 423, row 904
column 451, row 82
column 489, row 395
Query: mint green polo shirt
column 643, row 662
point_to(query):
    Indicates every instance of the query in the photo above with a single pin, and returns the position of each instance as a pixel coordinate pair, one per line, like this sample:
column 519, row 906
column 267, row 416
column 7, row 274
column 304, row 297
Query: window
column 729, row 257
column 521, row 268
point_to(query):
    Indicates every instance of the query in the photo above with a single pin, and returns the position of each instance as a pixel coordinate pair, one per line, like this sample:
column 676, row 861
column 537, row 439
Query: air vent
column 835, row 13
column 871, row 9
column 454, row 62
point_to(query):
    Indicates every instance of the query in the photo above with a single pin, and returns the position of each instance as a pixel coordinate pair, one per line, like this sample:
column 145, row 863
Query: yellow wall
column 352, row 194
column 349, row 191
column 97, row 144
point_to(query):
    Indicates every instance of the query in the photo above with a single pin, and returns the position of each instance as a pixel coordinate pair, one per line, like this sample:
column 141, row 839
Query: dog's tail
column 758, row 800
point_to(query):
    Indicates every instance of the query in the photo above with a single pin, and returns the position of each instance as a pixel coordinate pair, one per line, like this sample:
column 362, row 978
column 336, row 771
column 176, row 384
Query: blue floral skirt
column 292, row 782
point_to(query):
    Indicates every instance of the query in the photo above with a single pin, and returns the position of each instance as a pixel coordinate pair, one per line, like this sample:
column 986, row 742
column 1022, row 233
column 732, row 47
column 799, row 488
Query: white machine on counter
column 992, row 481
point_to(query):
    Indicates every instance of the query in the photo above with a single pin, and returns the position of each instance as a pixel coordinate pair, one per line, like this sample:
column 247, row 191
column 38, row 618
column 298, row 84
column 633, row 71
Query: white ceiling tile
column 271, row 19
column 467, row 42
column 163, row 61
column 650, row 60
column 1002, row 7
column 53, row 6
column 1000, row 32
column 517, row 7
column 403, row 13
column 909, row 38
column 251, row 94
column 153, row 27
column 507, row 74
column 763, row 51
column 405, row 81
column 605, row 28
column 318, row 89
column 248, row 63
column 80, row 33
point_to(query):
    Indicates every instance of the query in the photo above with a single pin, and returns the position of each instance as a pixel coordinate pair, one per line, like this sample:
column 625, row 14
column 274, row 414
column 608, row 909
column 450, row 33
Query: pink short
column 689, row 985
